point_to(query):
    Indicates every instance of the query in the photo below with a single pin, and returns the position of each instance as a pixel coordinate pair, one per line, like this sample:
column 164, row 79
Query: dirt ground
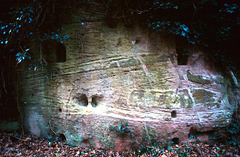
column 14, row 145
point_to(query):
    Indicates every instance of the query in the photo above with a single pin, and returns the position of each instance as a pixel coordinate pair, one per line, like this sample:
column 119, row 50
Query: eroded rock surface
column 113, row 77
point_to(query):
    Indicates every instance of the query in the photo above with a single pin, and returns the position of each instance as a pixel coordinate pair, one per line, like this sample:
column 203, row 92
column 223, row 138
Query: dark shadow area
column 60, row 53
column 8, row 91
column 54, row 51
column 182, row 50
column 175, row 141
column 110, row 22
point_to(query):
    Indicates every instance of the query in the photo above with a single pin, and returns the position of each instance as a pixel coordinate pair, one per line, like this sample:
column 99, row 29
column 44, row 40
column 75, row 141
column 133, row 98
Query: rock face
column 107, row 87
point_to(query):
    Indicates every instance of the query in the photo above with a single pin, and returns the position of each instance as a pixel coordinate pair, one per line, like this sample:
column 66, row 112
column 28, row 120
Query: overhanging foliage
column 209, row 23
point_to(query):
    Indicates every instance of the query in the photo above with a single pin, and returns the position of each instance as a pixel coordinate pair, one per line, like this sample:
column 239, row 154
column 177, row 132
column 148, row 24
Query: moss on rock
column 185, row 102
column 197, row 78
column 203, row 96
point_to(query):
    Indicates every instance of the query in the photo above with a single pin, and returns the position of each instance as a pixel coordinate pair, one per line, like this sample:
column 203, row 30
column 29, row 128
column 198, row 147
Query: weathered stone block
column 107, row 80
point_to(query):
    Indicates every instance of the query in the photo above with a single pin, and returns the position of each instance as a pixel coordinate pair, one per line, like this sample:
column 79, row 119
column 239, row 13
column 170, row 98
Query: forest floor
column 13, row 145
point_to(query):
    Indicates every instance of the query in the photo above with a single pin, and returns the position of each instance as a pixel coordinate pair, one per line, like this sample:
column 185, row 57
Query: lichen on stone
column 185, row 102
column 203, row 96
column 212, row 105
column 197, row 78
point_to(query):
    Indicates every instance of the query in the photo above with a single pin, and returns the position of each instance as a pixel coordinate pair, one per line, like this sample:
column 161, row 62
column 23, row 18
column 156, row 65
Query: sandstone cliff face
column 117, row 76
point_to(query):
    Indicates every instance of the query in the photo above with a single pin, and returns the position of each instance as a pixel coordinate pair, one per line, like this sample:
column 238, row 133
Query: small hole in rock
column 62, row 137
column 86, row 142
column 81, row 99
column 173, row 114
column 59, row 110
column 175, row 141
column 95, row 100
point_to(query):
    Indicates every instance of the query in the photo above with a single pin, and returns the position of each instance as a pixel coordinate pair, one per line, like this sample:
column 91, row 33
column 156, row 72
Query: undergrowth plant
column 233, row 131
column 228, row 135
column 140, row 148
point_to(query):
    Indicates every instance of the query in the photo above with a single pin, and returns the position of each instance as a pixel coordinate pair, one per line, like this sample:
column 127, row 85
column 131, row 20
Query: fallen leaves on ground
column 12, row 145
